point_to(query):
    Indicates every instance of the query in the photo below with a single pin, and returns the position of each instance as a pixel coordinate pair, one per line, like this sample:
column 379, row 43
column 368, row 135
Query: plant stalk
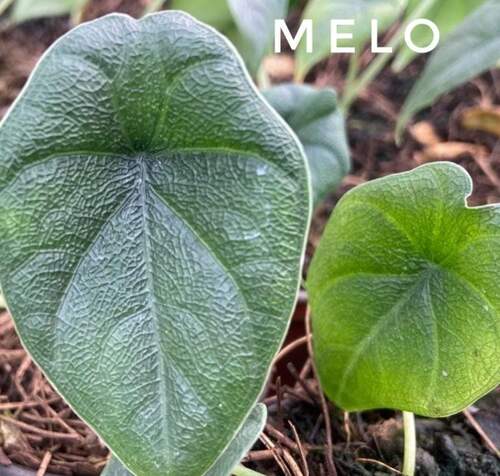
column 4, row 4
column 410, row 449
column 241, row 470
column 376, row 66
column 153, row 6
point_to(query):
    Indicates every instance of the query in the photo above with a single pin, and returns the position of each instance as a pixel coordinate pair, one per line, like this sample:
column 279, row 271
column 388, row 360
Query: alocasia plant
column 404, row 292
column 314, row 115
column 153, row 211
column 472, row 48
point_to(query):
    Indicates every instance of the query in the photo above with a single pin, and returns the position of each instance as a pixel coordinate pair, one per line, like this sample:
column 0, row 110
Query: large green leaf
column 321, row 12
column 472, row 48
column 24, row 10
column 153, row 211
column 405, row 295
column 446, row 14
column 315, row 117
column 241, row 444
column 249, row 24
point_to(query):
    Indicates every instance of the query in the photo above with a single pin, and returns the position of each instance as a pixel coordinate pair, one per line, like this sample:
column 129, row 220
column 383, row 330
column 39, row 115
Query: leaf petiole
column 410, row 445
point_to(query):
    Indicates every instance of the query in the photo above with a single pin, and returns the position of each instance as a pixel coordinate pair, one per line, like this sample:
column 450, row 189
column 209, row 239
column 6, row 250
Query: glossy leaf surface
column 471, row 49
column 405, row 295
column 319, row 124
column 446, row 14
column 153, row 211
column 321, row 12
column 243, row 442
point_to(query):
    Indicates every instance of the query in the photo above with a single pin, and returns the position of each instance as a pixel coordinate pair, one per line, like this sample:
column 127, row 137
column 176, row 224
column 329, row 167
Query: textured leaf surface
column 24, row 10
column 241, row 444
column 319, row 124
column 153, row 211
column 446, row 14
column 405, row 295
column 321, row 12
column 472, row 48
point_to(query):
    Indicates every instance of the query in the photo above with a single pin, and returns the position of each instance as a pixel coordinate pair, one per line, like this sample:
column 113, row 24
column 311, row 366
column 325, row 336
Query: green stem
column 241, row 470
column 376, row 66
column 410, row 454
column 352, row 71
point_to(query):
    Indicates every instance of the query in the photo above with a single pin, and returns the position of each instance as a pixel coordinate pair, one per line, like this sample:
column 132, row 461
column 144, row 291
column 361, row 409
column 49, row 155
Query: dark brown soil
column 36, row 425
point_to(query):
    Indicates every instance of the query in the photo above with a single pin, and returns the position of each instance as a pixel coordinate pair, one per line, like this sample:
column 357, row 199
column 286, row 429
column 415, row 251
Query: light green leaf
column 2, row 301
column 24, row 10
column 153, row 211
column 214, row 12
column 446, row 14
column 321, row 12
column 471, row 49
column 405, row 295
column 255, row 24
column 238, row 448
column 319, row 124
column 249, row 24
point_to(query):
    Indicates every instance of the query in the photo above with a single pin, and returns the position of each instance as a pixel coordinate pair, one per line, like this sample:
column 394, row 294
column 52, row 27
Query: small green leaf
column 319, row 124
column 238, row 448
column 153, row 210
column 321, row 12
column 446, row 14
column 25, row 10
column 471, row 49
column 405, row 295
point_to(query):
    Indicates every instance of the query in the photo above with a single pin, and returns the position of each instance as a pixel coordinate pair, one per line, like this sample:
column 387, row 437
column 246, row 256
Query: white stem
column 410, row 450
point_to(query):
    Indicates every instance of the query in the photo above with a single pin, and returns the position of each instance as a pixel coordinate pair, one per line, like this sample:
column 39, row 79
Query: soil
column 39, row 431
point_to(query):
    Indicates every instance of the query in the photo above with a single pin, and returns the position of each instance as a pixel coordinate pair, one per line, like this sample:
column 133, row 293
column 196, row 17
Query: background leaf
column 238, row 448
column 214, row 12
column 319, row 124
column 471, row 49
column 362, row 11
column 255, row 23
column 153, row 211
column 249, row 24
column 24, row 10
column 405, row 299
column 446, row 14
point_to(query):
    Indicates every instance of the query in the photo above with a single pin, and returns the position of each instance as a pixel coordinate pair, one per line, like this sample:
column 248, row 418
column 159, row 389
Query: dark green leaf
column 319, row 124
column 472, row 48
column 244, row 440
column 153, row 211
column 405, row 295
